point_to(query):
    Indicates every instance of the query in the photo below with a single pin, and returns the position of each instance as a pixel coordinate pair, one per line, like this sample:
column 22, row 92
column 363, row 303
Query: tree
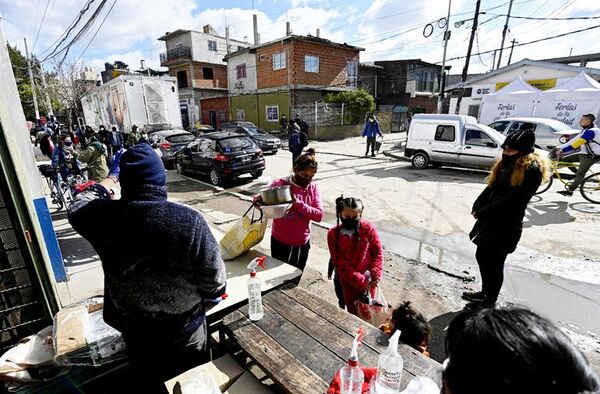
column 119, row 65
column 67, row 85
column 359, row 102
column 19, row 65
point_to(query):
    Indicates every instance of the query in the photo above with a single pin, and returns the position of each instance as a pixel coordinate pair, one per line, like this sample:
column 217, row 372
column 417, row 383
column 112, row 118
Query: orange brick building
column 287, row 73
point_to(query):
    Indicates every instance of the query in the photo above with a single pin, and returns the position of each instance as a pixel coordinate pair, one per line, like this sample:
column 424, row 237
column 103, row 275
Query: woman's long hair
column 521, row 165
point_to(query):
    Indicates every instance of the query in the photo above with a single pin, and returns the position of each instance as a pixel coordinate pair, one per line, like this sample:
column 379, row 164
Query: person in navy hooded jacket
column 371, row 131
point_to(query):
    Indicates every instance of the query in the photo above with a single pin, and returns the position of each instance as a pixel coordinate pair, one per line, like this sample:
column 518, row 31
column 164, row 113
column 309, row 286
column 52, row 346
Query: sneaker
column 477, row 305
column 476, row 296
column 566, row 192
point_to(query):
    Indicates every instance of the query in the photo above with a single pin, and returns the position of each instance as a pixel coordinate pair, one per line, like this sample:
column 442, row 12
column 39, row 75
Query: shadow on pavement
column 439, row 324
column 586, row 207
column 541, row 213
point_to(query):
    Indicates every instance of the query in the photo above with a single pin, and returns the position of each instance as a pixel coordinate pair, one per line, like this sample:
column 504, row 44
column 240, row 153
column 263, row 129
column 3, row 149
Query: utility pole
column 376, row 106
column 511, row 51
column 446, row 38
column 463, row 78
column 504, row 31
column 494, row 61
column 35, row 103
column 45, row 88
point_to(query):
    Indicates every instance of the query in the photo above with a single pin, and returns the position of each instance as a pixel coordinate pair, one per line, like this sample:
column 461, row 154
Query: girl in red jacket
column 356, row 251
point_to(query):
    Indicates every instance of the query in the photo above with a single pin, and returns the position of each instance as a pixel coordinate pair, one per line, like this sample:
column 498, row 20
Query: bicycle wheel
column 590, row 188
column 545, row 186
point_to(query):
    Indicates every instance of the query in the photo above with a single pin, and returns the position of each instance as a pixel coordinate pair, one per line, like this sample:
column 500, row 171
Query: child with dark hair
column 497, row 351
column 290, row 235
column 355, row 250
column 415, row 329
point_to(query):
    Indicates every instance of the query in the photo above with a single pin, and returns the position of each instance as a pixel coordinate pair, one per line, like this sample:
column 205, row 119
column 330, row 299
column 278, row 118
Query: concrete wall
column 248, row 83
column 246, row 102
column 218, row 105
column 280, row 99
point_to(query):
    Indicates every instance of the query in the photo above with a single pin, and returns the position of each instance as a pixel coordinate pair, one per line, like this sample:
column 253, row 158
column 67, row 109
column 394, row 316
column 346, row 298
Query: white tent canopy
column 518, row 98
column 567, row 102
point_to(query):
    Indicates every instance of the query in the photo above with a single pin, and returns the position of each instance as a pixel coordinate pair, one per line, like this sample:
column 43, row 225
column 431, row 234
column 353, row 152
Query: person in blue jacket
column 371, row 131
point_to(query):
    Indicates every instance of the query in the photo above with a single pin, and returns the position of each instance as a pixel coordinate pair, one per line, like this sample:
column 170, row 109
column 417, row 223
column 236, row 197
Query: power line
column 40, row 27
column 531, row 42
column 70, row 28
column 550, row 19
column 99, row 27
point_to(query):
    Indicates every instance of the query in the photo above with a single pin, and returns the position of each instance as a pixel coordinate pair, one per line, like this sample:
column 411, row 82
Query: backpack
column 46, row 145
column 303, row 139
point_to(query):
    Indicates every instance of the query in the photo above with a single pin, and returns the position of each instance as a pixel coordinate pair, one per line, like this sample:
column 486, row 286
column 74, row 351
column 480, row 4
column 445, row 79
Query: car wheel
column 256, row 174
column 274, row 152
column 420, row 160
column 168, row 164
column 216, row 178
column 179, row 167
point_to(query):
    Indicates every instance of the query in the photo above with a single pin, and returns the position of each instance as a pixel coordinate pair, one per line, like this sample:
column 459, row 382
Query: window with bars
column 212, row 45
column 272, row 113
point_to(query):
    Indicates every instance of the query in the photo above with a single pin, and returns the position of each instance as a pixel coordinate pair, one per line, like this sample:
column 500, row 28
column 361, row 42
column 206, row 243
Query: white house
column 539, row 74
column 241, row 72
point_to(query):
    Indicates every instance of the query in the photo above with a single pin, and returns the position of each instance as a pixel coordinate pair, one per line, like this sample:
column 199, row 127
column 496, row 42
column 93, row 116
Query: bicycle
column 589, row 188
column 61, row 191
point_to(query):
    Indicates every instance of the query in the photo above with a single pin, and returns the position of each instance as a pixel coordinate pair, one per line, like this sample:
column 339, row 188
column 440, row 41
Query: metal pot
column 276, row 195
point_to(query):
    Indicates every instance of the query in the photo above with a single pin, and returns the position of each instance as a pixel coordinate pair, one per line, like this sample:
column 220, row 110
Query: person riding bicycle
column 588, row 143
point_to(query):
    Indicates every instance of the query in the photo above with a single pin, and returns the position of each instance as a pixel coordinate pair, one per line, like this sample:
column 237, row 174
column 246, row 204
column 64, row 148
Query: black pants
column 155, row 357
column 371, row 144
column 339, row 291
column 295, row 155
column 491, row 267
column 293, row 255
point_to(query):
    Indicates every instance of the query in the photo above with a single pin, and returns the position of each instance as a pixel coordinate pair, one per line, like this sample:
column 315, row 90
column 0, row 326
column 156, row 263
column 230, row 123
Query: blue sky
column 387, row 29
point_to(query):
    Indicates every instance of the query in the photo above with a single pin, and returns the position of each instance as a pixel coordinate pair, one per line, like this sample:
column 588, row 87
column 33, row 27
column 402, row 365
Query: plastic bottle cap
column 353, row 363
column 252, row 274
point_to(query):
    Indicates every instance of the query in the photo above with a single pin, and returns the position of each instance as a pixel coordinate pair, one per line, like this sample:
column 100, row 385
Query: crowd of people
column 163, row 269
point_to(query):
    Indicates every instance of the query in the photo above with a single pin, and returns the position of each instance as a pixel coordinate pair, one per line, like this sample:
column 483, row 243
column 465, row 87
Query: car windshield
column 235, row 144
column 255, row 131
column 180, row 138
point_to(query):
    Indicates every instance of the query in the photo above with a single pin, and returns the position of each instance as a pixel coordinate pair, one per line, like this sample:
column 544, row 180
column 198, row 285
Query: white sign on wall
column 480, row 90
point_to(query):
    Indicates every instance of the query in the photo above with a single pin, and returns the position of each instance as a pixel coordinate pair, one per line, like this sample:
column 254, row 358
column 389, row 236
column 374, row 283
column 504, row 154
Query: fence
column 321, row 115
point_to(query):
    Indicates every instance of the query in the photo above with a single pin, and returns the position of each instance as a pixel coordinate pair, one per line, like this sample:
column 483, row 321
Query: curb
column 355, row 156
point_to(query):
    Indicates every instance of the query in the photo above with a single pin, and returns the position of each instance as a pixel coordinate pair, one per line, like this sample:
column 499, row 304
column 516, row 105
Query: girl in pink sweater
column 290, row 235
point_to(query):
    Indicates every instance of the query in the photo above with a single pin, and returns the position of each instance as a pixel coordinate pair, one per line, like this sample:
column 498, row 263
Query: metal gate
column 22, row 309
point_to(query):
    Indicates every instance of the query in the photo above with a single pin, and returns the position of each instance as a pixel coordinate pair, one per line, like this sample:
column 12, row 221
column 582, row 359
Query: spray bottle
column 389, row 368
column 255, row 307
column 351, row 376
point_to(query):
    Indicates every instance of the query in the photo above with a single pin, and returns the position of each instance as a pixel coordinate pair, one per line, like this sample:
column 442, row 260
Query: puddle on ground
column 565, row 301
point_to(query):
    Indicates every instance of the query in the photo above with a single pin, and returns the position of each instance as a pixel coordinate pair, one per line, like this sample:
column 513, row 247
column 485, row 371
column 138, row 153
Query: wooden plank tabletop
column 302, row 341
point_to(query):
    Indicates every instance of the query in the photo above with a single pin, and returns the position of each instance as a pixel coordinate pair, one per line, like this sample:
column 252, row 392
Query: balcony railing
column 176, row 53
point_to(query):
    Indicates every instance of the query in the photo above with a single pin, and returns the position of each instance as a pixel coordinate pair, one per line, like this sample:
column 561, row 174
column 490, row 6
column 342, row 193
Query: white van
column 454, row 140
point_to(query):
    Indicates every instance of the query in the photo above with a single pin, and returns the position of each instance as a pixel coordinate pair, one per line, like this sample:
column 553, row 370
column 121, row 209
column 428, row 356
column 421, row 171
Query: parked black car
column 168, row 142
column 222, row 156
column 198, row 130
column 264, row 140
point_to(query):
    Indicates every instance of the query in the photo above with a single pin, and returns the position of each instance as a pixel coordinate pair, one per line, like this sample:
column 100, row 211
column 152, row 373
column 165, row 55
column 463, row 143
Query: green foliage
column 358, row 102
column 19, row 65
column 119, row 65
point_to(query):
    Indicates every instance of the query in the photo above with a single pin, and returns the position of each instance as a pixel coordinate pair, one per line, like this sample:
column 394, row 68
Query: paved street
column 423, row 218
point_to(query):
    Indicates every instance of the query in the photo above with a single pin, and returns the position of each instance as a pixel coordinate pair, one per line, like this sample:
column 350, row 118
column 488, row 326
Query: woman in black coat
column 500, row 210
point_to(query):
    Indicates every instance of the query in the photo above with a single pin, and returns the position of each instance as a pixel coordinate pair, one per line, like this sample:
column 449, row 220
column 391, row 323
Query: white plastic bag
column 376, row 311
column 421, row 385
column 202, row 383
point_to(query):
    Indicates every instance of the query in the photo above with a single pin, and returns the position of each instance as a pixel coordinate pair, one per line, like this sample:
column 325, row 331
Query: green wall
column 255, row 107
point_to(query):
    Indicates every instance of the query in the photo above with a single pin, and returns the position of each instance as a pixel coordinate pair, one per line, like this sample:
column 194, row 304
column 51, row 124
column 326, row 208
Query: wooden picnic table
column 302, row 341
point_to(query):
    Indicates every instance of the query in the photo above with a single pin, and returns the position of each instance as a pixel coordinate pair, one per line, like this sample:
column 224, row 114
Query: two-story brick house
column 196, row 60
column 266, row 80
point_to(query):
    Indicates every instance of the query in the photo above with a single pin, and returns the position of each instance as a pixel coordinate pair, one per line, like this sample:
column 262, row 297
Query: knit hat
column 140, row 165
column 522, row 140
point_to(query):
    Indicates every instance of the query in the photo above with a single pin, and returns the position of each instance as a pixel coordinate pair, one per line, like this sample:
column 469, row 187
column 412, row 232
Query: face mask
column 68, row 143
column 301, row 181
column 509, row 160
column 144, row 135
column 371, row 120
column 350, row 224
